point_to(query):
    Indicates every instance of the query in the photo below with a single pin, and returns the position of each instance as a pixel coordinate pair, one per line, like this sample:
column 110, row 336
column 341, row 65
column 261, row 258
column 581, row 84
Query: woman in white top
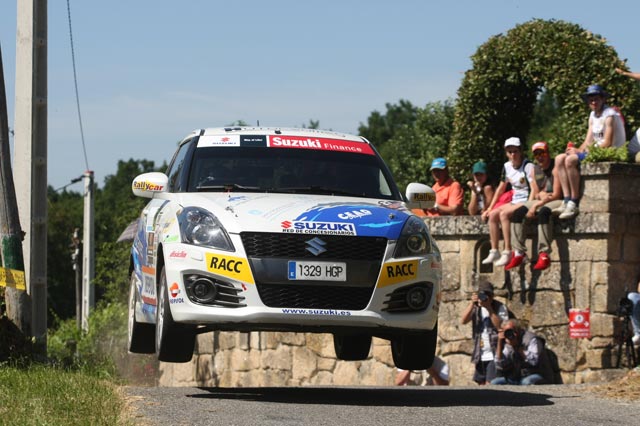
column 606, row 129
column 519, row 172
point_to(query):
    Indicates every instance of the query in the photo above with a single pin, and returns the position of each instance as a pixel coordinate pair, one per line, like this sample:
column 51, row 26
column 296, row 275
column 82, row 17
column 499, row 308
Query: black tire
column 174, row 342
column 140, row 336
column 414, row 351
column 352, row 347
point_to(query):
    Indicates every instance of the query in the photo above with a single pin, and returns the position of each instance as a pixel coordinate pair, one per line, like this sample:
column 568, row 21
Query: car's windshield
column 285, row 170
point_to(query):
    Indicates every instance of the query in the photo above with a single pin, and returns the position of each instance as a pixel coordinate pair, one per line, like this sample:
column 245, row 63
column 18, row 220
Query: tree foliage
column 380, row 128
column 412, row 148
column 497, row 97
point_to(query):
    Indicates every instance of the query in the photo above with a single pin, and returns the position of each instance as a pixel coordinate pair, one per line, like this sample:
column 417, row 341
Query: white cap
column 512, row 142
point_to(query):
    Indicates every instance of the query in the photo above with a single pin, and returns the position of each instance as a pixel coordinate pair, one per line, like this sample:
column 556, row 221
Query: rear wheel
column 140, row 336
column 174, row 342
column 352, row 347
column 414, row 351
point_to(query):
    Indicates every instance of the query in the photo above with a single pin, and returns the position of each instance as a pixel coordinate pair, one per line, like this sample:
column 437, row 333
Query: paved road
column 522, row 406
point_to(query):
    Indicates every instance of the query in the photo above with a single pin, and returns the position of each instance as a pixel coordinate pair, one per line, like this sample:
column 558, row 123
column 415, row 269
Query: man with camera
column 634, row 298
column 521, row 358
column 486, row 315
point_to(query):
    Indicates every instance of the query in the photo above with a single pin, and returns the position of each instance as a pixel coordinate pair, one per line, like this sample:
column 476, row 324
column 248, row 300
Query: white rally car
column 285, row 230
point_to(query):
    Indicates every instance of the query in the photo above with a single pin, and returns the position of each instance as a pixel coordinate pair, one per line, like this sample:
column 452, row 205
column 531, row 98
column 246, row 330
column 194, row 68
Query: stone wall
column 594, row 260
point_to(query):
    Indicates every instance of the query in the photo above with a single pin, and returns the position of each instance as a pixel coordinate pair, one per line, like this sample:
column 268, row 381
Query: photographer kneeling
column 521, row 358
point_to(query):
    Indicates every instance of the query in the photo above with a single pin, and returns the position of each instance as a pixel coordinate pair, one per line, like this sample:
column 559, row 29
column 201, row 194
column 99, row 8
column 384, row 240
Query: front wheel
column 174, row 342
column 414, row 351
column 140, row 336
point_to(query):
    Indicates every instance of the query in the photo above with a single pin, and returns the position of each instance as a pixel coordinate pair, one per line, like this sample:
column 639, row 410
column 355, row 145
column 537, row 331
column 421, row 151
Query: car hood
column 301, row 213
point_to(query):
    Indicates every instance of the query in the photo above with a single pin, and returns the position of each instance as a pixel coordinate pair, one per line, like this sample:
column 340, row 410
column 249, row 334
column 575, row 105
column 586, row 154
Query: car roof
column 276, row 131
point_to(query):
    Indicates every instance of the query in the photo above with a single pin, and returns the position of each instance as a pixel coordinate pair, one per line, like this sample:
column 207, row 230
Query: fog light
column 204, row 290
column 417, row 298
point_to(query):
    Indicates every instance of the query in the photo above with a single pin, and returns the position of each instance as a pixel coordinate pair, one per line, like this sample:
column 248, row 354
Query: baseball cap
column 438, row 163
column 540, row 145
column 594, row 89
column 512, row 142
column 486, row 287
column 480, row 167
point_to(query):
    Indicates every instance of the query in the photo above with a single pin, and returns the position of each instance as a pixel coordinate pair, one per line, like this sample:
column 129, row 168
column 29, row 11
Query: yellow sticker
column 397, row 272
column 232, row 267
column 424, row 196
column 12, row 278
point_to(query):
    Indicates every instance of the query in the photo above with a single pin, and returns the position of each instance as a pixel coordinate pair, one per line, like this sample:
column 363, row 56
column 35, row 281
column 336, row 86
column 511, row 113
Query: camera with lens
column 625, row 307
column 483, row 296
column 510, row 334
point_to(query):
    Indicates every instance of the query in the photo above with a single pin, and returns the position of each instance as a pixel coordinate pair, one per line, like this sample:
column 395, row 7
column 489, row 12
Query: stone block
column 375, row 374
column 584, row 249
column 225, row 339
column 382, row 352
column 204, row 368
column 460, row 370
column 240, row 360
column 321, row 344
column 276, row 359
column 346, row 373
column 294, row 339
column 599, row 376
column 448, row 246
column 323, row 378
column 276, row 378
column 272, row 339
column 630, row 248
column 457, row 346
column 326, row 364
column 305, row 363
column 204, row 343
column 243, row 340
column 602, row 325
column 453, row 329
column 549, row 309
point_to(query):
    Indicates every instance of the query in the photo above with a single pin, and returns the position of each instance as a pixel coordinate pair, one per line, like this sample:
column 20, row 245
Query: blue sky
column 149, row 72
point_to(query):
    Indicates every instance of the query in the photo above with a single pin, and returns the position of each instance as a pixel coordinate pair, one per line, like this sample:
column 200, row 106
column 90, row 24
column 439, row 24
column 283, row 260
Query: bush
column 597, row 154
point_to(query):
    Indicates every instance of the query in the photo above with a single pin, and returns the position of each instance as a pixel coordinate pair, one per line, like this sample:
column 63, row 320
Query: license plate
column 317, row 271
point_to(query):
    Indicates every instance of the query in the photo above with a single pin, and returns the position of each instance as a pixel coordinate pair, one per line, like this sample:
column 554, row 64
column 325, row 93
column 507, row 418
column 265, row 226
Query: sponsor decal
column 147, row 186
column 218, row 140
column 324, row 144
column 229, row 266
column 178, row 254
column 253, row 140
column 170, row 238
column 424, row 196
column 355, row 214
column 174, row 292
column 323, row 228
column 331, row 312
column 397, row 272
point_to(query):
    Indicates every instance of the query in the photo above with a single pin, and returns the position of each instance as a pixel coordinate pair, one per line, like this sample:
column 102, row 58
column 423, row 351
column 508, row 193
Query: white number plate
column 317, row 271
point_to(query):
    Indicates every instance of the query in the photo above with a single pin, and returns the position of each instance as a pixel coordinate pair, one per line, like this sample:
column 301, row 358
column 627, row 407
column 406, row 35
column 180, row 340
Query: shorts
column 581, row 156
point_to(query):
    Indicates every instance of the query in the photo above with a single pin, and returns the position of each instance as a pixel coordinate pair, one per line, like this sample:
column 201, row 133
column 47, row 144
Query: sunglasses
column 539, row 152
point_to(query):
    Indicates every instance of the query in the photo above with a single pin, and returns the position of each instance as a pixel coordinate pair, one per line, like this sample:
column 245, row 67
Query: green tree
column 380, row 128
column 412, row 148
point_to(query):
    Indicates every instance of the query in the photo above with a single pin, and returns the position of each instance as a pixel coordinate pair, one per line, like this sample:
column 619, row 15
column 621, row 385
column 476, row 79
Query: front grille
column 293, row 246
column 315, row 297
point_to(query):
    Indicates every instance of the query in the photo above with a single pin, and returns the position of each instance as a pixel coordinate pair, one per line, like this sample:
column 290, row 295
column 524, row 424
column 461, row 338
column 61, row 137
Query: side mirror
column 147, row 185
column 420, row 196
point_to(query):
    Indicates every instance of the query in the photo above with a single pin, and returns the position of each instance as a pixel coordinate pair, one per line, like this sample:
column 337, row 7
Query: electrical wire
column 75, row 81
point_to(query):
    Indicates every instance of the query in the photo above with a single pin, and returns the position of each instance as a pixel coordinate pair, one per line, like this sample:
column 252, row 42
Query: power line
column 75, row 81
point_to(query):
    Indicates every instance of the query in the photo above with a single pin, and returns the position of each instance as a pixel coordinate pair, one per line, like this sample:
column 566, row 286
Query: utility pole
column 17, row 301
column 88, row 262
column 75, row 261
column 30, row 159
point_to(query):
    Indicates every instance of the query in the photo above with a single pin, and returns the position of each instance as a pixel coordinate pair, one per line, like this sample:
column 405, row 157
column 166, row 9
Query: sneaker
column 493, row 256
column 560, row 209
column 570, row 212
column 543, row 262
column 636, row 339
column 504, row 259
column 515, row 261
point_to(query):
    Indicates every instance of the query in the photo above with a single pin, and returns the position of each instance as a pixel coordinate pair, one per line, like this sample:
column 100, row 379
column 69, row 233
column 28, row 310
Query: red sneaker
column 516, row 260
column 543, row 262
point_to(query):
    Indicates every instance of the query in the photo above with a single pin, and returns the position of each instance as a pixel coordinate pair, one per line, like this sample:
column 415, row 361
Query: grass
column 42, row 395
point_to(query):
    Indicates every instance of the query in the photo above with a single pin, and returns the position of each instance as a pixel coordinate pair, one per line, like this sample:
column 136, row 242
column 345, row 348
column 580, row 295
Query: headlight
column 414, row 239
column 201, row 228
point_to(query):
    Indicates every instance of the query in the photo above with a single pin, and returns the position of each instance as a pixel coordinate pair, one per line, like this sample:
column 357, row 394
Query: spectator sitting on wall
column 605, row 129
column 634, row 297
column 518, row 172
column 521, row 358
column 486, row 315
column 449, row 196
column 437, row 375
column 548, row 197
column 481, row 189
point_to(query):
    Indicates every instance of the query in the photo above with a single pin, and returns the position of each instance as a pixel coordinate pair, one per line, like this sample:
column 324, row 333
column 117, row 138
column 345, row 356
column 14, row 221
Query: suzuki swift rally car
column 283, row 230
